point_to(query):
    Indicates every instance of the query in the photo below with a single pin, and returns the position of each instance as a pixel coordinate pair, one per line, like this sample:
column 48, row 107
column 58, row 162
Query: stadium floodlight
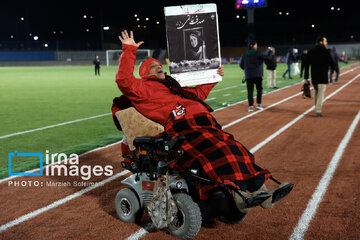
column 112, row 56
column 46, row 45
column 36, row 38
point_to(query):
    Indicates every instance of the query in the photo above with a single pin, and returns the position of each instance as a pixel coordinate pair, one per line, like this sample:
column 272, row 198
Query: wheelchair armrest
column 140, row 141
column 177, row 141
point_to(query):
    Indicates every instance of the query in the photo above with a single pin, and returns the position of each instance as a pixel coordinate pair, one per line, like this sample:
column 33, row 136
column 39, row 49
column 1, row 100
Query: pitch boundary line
column 52, row 126
column 312, row 206
column 141, row 232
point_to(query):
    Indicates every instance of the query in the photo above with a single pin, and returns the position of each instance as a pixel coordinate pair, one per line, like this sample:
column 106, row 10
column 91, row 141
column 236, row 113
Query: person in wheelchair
column 177, row 111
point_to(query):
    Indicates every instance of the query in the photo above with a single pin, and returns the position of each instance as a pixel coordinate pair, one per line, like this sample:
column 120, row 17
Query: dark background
column 61, row 23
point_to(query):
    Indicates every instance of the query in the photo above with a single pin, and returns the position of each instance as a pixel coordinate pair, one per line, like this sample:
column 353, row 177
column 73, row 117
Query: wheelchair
column 153, row 160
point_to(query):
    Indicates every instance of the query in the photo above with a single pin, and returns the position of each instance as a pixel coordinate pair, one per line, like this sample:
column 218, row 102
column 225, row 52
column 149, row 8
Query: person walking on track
column 252, row 64
column 271, row 70
column 290, row 59
column 336, row 59
column 319, row 60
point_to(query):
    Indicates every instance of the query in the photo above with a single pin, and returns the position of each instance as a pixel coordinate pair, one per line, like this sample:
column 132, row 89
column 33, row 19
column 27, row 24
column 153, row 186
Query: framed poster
column 193, row 43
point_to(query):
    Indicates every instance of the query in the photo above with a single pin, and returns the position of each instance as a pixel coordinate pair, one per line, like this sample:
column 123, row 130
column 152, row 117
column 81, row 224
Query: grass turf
column 35, row 97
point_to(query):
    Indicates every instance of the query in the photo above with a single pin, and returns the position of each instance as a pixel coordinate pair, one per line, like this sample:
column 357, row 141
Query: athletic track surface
column 319, row 155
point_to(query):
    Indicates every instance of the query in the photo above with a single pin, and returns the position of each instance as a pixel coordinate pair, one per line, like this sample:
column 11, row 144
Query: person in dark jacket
column 252, row 64
column 303, row 62
column 290, row 59
column 320, row 60
column 335, row 57
column 97, row 65
column 271, row 69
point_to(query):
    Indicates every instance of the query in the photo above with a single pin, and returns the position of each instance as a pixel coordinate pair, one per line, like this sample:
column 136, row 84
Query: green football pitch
column 37, row 98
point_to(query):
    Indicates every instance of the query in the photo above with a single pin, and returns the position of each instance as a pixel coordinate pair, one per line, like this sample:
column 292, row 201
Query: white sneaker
column 259, row 107
column 251, row 109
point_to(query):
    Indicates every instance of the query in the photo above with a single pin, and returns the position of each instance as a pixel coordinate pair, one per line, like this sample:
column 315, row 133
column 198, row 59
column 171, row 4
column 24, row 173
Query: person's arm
column 242, row 64
column 202, row 91
column 266, row 57
column 125, row 79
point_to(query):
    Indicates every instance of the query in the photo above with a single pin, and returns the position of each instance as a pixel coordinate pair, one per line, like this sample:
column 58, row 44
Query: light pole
column 251, row 23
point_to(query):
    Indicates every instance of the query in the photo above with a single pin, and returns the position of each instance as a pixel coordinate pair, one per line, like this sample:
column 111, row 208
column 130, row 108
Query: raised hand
column 220, row 70
column 125, row 39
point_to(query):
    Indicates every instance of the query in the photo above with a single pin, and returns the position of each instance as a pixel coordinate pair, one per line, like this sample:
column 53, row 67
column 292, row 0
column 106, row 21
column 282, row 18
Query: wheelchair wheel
column 188, row 220
column 127, row 205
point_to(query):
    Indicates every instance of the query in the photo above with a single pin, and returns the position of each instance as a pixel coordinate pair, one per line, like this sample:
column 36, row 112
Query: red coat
column 151, row 98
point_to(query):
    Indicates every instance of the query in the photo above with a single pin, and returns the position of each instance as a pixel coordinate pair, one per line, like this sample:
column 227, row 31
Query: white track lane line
column 59, row 202
column 310, row 211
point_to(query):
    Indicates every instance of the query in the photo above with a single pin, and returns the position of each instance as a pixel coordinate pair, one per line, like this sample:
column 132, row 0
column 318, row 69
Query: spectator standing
column 97, row 65
column 343, row 56
column 296, row 62
column 271, row 69
column 289, row 60
column 303, row 61
column 252, row 64
column 335, row 57
column 320, row 60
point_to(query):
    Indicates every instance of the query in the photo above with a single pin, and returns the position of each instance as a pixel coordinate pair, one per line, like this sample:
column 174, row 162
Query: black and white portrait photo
column 192, row 34
column 193, row 42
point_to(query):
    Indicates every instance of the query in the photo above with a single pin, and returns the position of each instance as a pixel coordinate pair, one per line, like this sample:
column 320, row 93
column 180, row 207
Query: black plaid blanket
column 217, row 153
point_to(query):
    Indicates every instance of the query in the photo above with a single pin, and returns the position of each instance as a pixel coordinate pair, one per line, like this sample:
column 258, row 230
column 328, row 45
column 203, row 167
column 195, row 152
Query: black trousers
column 97, row 71
column 302, row 69
column 250, row 88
